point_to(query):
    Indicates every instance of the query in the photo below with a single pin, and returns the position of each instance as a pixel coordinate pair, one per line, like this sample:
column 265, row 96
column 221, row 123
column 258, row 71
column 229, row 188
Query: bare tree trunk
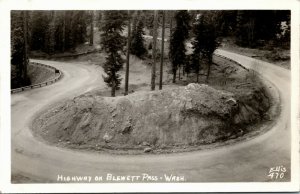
column 251, row 32
column 92, row 29
column 162, row 50
column 208, row 68
column 113, row 88
column 174, row 75
column 171, row 22
column 127, row 55
column 154, row 51
column 179, row 72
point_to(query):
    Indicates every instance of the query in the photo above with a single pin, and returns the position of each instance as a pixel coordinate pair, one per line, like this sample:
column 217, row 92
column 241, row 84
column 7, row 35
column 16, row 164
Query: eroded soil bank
column 174, row 119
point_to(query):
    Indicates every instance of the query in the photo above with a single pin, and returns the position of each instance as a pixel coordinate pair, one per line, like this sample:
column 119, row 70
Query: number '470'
column 276, row 175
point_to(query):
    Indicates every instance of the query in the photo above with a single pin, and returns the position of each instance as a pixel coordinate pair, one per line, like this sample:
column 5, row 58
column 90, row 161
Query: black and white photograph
column 186, row 95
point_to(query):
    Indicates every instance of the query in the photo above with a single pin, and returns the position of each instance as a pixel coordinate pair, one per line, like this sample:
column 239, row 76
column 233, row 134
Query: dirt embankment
column 39, row 74
column 158, row 121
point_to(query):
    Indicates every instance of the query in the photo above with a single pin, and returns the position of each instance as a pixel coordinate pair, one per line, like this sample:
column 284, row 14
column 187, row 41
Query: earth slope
column 158, row 120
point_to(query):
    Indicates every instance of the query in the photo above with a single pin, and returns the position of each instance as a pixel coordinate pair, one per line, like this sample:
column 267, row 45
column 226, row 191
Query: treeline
column 46, row 31
column 59, row 31
column 254, row 28
column 56, row 31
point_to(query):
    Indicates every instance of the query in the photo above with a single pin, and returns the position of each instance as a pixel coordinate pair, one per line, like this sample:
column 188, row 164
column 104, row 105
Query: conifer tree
column 177, row 42
column 137, row 43
column 204, row 44
column 113, row 43
column 197, row 45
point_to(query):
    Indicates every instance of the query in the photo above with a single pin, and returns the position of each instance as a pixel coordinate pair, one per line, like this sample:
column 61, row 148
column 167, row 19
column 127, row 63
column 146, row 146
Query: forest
column 53, row 32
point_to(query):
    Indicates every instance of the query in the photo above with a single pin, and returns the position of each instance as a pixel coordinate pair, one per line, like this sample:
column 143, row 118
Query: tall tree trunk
column 179, row 72
column 127, row 54
column 171, row 22
column 208, row 68
column 25, row 59
column 154, row 51
column 162, row 51
column 64, row 32
column 251, row 32
column 113, row 88
column 174, row 76
column 134, row 20
column 92, row 29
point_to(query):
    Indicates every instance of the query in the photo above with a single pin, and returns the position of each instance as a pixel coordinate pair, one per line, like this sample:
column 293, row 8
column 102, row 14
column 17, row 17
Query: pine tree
column 198, row 44
column 211, row 45
column 204, row 44
column 177, row 42
column 137, row 43
column 113, row 43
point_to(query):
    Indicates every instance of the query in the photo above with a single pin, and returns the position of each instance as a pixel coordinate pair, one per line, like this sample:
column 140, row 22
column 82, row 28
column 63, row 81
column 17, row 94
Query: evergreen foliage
column 177, row 40
column 113, row 43
column 137, row 43
column 56, row 31
column 204, row 43
column 260, row 27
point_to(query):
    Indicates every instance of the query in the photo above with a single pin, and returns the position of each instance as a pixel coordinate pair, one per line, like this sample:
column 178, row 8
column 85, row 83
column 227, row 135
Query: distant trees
column 57, row 31
column 254, row 28
column 113, row 43
column 251, row 28
column 177, row 41
column 46, row 31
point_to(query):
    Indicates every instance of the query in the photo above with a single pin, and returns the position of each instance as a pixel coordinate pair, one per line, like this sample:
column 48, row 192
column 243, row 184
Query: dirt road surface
column 242, row 162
